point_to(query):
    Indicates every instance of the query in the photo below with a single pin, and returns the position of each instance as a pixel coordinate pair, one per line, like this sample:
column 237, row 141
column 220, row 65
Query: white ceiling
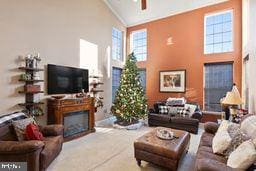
column 130, row 13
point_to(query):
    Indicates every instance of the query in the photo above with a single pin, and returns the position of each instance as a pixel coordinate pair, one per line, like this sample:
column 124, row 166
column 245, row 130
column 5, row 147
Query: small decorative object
column 173, row 81
column 36, row 76
column 58, row 96
column 32, row 61
column 164, row 134
column 32, row 88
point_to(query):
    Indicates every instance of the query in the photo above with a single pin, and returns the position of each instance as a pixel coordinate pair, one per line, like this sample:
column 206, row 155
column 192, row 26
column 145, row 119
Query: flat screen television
column 66, row 80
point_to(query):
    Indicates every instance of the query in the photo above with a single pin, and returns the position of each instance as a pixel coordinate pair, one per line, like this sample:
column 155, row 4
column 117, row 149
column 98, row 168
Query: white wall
column 249, row 47
column 54, row 28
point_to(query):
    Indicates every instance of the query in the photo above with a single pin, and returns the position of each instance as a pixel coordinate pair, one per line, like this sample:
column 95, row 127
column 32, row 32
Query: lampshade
column 232, row 98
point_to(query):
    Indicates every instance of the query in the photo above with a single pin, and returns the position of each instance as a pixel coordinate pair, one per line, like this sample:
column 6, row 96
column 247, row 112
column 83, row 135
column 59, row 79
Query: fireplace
column 76, row 122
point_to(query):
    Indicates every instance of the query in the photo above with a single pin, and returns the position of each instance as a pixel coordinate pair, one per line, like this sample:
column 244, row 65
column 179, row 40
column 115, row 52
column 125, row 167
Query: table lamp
column 233, row 99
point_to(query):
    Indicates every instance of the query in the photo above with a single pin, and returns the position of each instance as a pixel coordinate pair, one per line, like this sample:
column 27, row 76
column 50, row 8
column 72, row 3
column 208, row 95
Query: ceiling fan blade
column 143, row 4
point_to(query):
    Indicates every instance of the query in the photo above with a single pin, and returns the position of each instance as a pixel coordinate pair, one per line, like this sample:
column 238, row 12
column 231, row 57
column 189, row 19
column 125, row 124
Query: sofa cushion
column 159, row 117
column 243, row 156
column 163, row 109
column 51, row 149
column 248, row 126
column 221, row 141
column 237, row 136
column 209, row 155
column 223, row 126
column 20, row 127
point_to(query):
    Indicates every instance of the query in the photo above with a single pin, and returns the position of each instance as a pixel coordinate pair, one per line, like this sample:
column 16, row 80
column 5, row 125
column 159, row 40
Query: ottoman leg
column 138, row 162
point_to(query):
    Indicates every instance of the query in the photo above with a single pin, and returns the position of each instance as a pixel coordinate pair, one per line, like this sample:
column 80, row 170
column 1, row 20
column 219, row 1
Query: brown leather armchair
column 37, row 154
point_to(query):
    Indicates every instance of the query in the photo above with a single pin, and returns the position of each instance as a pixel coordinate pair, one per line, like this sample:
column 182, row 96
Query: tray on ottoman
column 166, row 153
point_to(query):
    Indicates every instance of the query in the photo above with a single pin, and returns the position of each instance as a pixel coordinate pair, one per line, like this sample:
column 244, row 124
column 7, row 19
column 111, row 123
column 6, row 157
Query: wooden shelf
column 94, row 76
column 99, row 83
column 31, row 104
column 31, row 81
column 31, row 69
column 25, row 92
column 97, row 91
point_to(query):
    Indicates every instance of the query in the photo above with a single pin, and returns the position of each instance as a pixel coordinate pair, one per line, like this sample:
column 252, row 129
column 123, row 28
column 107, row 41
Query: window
column 139, row 44
column 218, row 79
column 117, row 44
column 218, row 32
column 116, row 76
column 142, row 73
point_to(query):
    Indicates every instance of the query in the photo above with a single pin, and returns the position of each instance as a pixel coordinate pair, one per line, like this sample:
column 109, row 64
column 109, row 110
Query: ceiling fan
column 143, row 4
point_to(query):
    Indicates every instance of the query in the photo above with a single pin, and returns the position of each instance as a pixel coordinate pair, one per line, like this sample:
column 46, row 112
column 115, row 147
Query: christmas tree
column 130, row 103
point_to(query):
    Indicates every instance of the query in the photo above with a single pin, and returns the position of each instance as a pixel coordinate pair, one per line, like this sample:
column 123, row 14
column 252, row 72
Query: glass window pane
column 209, row 21
column 209, row 39
column 217, row 28
column 217, row 48
column 227, row 27
column 227, row 47
column 218, row 19
column 139, row 44
column 209, row 30
column 227, row 17
column 209, row 49
column 218, row 33
column 217, row 38
column 227, row 37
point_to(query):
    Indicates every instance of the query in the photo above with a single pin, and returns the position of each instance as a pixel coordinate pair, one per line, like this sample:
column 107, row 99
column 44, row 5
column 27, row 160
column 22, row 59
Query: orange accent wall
column 187, row 50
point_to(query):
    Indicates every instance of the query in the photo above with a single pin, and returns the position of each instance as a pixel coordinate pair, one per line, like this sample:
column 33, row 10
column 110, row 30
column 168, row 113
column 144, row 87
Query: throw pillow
column 224, row 126
column 243, row 157
column 248, row 126
column 182, row 111
column 190, row 108
column 221, row 141
column 33, row 133
column 237, row 136
column 163, row 109
column 20, row 126
column 172, row 110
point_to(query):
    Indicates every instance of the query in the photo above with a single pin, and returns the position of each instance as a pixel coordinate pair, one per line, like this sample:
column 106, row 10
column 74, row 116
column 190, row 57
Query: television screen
column 66, row 80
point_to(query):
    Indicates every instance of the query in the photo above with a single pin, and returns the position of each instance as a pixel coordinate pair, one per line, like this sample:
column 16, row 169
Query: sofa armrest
column 211, row 127
column 52, row 130
column 197, row 115
column 212, row 165
column 20, row 147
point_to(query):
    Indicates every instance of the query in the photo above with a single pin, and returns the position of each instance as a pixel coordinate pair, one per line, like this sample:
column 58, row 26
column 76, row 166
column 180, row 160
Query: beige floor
column 112, row 150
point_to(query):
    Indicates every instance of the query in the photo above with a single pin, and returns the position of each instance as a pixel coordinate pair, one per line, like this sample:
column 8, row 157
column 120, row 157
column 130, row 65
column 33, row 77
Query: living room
column 196, row 53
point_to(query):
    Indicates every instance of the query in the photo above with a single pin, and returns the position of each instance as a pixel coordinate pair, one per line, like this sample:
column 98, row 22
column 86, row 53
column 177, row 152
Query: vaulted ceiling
column 130, row 13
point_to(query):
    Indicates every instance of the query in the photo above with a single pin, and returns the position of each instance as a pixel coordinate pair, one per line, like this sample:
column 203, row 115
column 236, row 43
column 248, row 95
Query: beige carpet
column 112, row 150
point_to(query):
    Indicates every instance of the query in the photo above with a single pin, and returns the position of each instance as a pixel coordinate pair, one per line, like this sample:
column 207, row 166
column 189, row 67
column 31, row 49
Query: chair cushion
column 20, row 127
column 33, row 133
column 52, row 148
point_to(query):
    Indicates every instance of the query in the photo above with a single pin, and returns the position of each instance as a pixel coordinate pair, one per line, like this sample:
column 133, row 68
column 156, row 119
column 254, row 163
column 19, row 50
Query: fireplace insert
column 76, row 122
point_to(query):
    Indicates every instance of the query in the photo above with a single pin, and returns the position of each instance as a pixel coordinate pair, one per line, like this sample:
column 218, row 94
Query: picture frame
column 173, row 81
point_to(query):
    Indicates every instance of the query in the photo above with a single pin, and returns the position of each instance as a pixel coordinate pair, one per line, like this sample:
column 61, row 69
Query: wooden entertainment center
column 76, row 114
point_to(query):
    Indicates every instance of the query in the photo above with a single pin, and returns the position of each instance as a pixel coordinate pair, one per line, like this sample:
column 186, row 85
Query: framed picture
column 173, row 81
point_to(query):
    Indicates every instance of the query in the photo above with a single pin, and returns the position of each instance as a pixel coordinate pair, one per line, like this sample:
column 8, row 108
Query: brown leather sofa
column 37, row 154
column 186, row 123
column 206, row 160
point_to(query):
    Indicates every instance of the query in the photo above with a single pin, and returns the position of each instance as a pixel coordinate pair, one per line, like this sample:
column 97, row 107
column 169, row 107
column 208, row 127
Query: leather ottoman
column 166, row 153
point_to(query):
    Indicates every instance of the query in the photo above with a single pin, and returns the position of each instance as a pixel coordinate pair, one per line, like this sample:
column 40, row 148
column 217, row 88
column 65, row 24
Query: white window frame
column 131, row 41
column 122, row 45
column 232, row 29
